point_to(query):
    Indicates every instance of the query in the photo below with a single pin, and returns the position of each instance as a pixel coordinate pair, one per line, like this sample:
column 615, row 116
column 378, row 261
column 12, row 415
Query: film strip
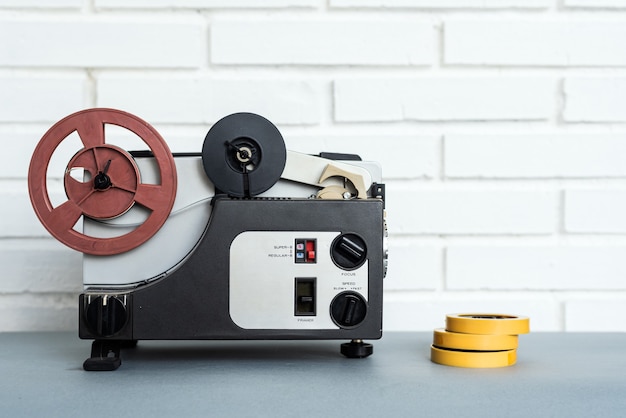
column 478, row 340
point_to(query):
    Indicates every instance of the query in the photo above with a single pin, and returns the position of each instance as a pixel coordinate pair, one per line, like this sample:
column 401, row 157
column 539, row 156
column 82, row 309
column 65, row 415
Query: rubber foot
column 357, row 349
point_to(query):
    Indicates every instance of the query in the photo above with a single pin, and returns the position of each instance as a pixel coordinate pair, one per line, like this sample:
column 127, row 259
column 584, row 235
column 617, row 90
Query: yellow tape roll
column 458, row 341
column 473, row 359
column 487, row 324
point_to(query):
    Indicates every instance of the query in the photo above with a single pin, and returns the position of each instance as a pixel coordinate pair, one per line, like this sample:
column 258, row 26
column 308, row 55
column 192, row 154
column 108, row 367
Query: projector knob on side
column 106, row 315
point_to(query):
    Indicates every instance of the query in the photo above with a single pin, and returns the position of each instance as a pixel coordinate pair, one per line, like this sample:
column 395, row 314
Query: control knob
column 106, row 315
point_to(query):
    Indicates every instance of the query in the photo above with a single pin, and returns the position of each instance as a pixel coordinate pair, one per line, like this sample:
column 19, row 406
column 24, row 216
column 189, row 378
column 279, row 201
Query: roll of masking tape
column 487, row 324
column 473, row 359
column 458, row 341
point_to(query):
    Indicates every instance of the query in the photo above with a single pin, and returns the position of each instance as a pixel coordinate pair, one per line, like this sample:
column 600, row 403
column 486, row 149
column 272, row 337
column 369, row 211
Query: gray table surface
column 556, row 375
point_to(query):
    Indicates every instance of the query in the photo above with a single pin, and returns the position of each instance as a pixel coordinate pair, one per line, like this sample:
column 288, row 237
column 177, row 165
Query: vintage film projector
column 243, row 240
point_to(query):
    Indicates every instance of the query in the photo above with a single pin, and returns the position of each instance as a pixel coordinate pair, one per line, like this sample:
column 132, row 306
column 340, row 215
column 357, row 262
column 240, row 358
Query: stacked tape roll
column 488, row 324
column 478, row 340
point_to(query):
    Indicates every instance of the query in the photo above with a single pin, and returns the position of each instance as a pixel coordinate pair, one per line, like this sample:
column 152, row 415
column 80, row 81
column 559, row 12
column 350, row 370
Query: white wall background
column 500, row 124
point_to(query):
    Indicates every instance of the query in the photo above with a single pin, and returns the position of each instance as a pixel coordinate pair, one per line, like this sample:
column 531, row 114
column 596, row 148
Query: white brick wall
column 535, row 156
column 192, row 99
column 594, row 314
column 564, row 267
column 442, row 4
column 454, row 211
column 103, row 42
column 535, row 43
column 443, row 98
column 321, row 42
column 595, row 211
column 595, row 3
column 40, row 97
column 52, row 4
column 202, row 4
column 500, row 125
column 595, row 99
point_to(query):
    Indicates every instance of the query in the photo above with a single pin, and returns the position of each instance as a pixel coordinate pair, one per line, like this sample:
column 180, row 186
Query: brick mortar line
column 405, row 129
column 510, row 240
column 334, row 13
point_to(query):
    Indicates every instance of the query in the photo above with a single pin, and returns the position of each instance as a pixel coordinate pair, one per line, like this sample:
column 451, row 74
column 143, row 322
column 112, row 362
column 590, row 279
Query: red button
column 310, row 256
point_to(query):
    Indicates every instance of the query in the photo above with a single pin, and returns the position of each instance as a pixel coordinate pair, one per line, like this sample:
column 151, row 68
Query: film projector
column 244, row 240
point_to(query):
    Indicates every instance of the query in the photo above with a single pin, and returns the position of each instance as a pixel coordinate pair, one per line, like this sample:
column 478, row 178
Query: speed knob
column 348, row 309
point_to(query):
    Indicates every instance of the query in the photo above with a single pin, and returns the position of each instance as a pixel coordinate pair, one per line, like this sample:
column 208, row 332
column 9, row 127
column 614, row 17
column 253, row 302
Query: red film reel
column 113, row 187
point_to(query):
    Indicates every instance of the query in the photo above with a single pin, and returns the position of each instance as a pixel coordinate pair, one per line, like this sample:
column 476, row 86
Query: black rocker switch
column 305, row 296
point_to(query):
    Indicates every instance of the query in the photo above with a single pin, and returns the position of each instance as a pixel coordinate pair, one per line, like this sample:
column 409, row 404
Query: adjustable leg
column 105, row 356
column 357, row 349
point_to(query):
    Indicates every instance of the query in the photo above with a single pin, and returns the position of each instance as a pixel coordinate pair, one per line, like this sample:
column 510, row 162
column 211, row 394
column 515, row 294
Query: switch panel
column 268, row 289
column 306, row 250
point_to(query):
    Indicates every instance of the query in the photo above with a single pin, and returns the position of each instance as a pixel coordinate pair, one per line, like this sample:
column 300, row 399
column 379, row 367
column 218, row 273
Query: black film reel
column 244, row 154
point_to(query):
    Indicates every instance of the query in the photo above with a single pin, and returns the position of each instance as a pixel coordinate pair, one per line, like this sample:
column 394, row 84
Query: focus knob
column 106, row 315
column 349, row 251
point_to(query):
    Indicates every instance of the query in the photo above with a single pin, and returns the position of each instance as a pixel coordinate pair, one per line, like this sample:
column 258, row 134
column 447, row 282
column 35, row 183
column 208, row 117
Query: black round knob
column 106, row 315
column 348, row 251
column 348, row 309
